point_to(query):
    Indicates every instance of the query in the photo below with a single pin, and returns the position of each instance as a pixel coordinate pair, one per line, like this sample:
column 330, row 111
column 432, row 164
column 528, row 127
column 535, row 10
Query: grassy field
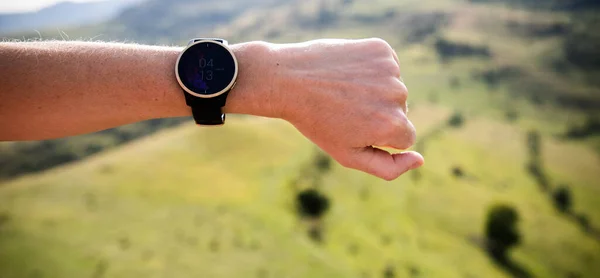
column 168, row 205
column 193, row 202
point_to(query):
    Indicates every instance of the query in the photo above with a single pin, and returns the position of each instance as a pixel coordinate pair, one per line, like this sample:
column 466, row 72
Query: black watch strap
column 208, row 114
column 207, row 111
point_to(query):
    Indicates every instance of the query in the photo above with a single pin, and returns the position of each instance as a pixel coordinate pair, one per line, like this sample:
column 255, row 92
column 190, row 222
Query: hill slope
column 220, row 202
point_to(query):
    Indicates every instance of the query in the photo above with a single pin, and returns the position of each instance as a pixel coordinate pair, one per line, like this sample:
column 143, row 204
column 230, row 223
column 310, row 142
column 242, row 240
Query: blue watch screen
column 206, row 68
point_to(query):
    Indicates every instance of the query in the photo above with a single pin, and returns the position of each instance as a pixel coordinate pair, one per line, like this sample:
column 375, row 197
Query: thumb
column 385, row 165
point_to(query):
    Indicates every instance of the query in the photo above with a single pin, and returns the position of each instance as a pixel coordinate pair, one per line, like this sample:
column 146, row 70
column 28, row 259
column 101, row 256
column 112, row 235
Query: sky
column 9, row 6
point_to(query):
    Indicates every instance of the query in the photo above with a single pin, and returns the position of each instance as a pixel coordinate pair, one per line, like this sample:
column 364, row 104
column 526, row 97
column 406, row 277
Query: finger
column 404, row 97
column 385, row 165
column 404, row 104
column 400, row 92
column 396, row 57
column 401, row 134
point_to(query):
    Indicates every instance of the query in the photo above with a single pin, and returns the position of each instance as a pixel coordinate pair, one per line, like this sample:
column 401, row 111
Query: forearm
column 57, row 89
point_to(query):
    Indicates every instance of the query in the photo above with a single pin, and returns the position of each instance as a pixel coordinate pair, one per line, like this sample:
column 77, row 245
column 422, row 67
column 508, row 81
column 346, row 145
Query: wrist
column 255, row 92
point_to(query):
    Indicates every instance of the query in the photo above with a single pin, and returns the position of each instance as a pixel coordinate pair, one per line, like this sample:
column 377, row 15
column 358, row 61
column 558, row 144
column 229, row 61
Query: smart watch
column 206, row 70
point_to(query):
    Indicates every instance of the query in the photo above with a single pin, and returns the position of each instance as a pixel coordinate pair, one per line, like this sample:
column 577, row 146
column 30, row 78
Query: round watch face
column 206, row 69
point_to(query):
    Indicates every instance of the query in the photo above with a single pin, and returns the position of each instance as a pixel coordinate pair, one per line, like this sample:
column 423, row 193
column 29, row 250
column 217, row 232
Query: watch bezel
column 226, row 89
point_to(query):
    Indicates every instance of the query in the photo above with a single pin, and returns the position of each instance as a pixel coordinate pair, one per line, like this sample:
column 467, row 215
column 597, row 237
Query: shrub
column 322, row 162
column 262, row 273
column 457, row 172
column 4, row 218
column 386, row 240
column 414, row 271
column 562, row 198
column 590, row 127
column 454, row 82
column 492, row 77
column 101, row 268
column 312, row 203
column 448, row 49
column 316, row 233
column 456, row 120
column 582, row 45
column 536, row 170
column 389, row 272
column 534, row 142
column 311, row 173
column 124, row 243
column 501, row 230
column 584, row 222
column 511, row 115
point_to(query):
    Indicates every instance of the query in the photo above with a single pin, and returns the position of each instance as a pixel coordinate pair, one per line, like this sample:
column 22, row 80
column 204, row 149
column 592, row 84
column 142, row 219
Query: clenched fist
column 346, row 96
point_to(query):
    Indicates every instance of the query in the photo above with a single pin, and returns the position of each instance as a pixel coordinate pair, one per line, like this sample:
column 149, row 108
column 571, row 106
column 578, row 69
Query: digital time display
column 206, row 68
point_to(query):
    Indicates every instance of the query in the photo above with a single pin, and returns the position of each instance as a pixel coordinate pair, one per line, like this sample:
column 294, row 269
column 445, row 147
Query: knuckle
column 392, row 91
column 402, row 98
column 397, row 130
column 407, row 143
column 402, row 86
column 409, row 136
column 401, row 92
column 390, row 67
column 395, row 69
column 379, row 44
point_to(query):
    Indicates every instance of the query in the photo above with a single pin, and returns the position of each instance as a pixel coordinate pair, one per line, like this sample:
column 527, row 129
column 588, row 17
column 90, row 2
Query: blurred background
column 505, row 96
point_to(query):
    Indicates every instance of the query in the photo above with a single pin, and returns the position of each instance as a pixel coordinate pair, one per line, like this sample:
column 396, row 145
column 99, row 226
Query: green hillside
column 169, row 205
column 504, row 96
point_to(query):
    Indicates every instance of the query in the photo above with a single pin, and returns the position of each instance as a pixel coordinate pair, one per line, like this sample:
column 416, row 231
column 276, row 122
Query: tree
column 501, row 231
column 562, row 199
column 535, row 166
column 312, row 203
column 456, row 120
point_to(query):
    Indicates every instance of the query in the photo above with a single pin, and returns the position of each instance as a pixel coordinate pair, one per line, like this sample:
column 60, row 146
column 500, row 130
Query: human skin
column 344, row 95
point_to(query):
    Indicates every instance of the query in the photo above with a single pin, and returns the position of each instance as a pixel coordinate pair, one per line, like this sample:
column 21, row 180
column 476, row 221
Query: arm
column 57, row 89
column 343, row 95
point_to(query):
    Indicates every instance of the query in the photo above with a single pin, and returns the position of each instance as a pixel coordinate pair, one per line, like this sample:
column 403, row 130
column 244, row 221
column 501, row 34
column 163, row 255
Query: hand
column 346, row 96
